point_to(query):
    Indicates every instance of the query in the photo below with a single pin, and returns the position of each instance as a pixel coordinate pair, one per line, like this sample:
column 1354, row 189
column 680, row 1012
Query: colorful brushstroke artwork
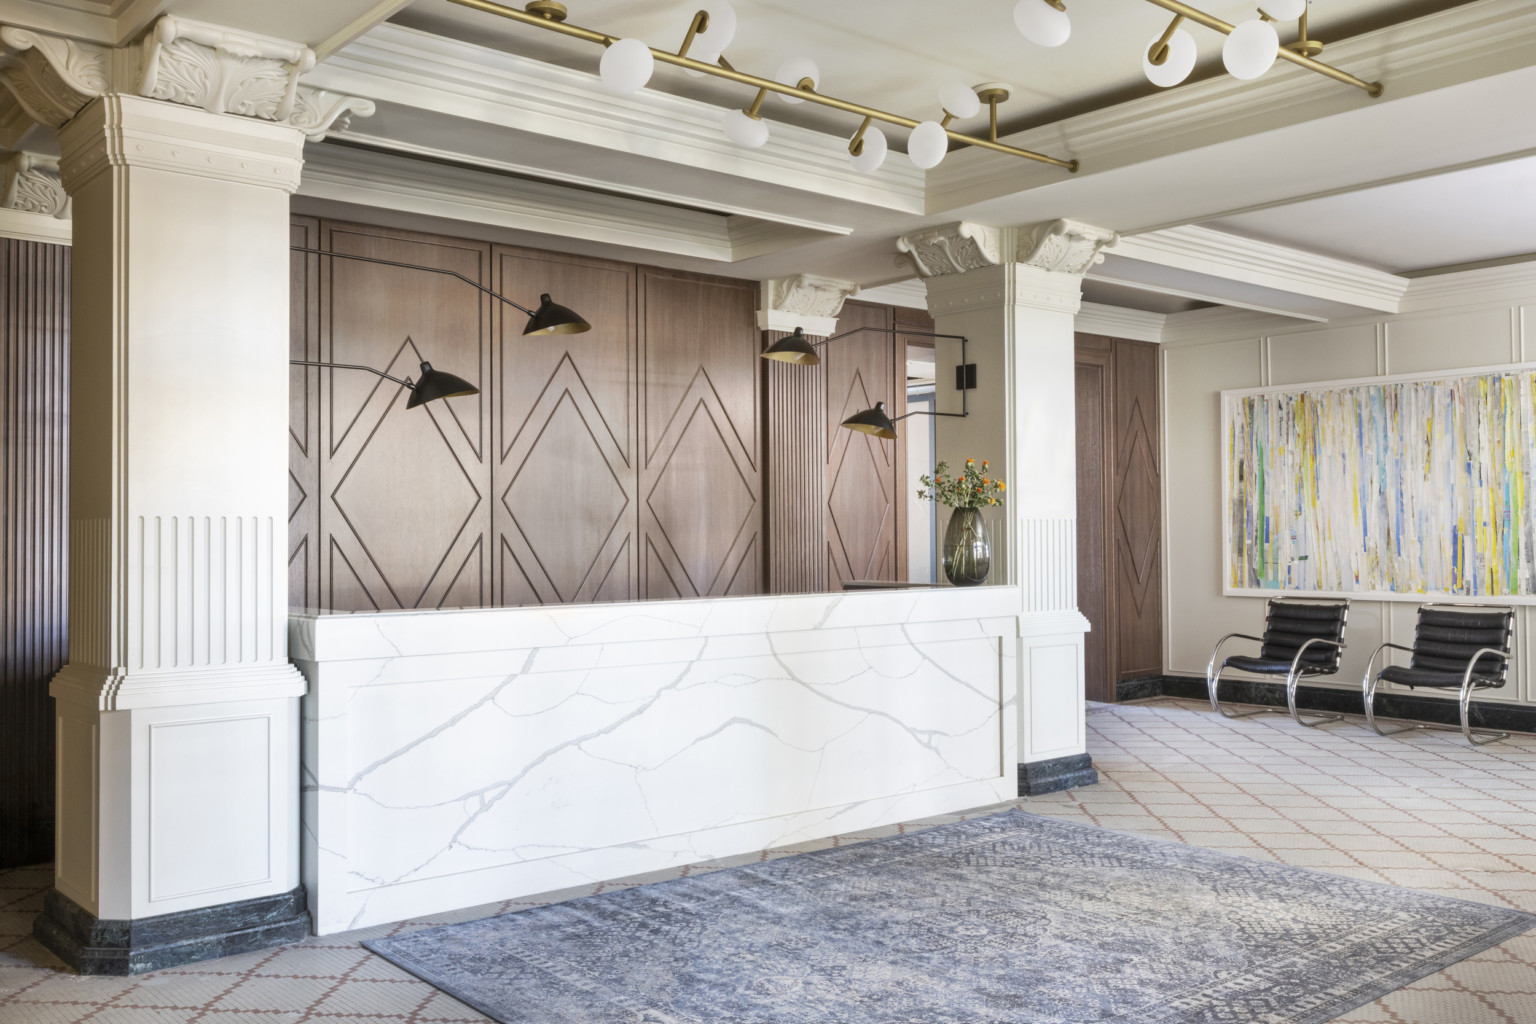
column 1420, row 486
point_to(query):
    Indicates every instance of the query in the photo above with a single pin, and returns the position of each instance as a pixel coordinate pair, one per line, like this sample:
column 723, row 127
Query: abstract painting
column 1390, row 487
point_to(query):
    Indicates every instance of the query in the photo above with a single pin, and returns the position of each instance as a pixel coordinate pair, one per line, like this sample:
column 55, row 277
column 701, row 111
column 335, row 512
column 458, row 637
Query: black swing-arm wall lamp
column 549, row 318
column 798, row 349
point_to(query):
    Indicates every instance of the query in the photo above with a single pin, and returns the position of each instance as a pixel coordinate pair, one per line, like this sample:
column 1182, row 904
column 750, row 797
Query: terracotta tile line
column 208, row 1007
column 1481, row 997
column 341, row 980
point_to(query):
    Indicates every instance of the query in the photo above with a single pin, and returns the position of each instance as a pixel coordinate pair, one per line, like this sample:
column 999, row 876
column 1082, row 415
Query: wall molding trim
column 1235, row 258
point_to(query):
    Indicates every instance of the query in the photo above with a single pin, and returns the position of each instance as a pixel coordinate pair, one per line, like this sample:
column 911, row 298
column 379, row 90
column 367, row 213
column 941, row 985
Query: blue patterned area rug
column 1008, row 918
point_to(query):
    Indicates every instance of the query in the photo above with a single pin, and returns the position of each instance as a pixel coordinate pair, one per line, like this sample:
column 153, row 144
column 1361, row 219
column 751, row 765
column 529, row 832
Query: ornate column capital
column 1064, row 246
column 181, row 61
column 52, row 78
column 952, row 248
column 805, row 301
column 30, row 183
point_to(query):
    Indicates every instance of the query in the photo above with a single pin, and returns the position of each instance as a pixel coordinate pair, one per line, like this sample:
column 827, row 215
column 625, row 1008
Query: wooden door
column 865, row 509
column 565, row 477
column 700, row 481
column 405, row 517
column 1119, row 515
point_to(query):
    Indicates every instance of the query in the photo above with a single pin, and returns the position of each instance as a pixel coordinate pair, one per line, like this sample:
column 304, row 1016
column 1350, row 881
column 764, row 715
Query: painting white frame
column 1228, row 399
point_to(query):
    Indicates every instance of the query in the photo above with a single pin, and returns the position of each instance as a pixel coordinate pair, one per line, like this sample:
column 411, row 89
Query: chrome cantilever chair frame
column 1292, row 679
column 1470, row 684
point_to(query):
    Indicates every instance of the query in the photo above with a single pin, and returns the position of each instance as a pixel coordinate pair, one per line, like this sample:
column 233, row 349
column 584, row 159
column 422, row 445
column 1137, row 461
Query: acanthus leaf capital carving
column 1064, row 246
column 807, row 295
column 952, row 248
column 222, row 71
column 51, row 77
column 30, row 183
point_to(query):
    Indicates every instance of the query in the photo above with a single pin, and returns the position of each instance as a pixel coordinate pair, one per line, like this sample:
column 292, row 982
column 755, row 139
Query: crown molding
column 909, row 294
column 1514, row 283
column 414, row 69
column 1119, row 322
column 1472, row 41
column 1220, row 324
column 34, row 227
column 393, row 182
column 1219, row 254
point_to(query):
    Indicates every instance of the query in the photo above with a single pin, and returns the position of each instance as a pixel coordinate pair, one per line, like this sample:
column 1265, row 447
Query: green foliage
column 970, row 489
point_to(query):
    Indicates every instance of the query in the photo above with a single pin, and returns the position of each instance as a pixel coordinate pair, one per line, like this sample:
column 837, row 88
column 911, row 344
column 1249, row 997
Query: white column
column 178, row 711
column 1014, row 293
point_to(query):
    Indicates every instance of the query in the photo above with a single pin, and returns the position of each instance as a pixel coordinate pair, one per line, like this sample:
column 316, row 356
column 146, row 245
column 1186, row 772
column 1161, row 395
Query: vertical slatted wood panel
column 34, row 408
column 304, row 418
column 1095, row 476
column 795, row 402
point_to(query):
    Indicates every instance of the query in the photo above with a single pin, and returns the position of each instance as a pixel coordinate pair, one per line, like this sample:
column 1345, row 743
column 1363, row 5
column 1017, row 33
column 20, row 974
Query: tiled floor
column 1423, row 811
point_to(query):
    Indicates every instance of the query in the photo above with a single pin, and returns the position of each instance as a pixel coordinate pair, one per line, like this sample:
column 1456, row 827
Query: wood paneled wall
column 1119, row 514
column 617, row 464
column 795, row 474
column 34, row 408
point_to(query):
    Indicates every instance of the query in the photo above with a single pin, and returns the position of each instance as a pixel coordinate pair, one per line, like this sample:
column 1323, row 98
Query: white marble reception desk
column 453, row 758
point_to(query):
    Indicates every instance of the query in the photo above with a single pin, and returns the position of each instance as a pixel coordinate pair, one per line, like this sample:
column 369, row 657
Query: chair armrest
column 1296, row 661
column 1477, row 657
column 1365, row 683
column 1210, row 668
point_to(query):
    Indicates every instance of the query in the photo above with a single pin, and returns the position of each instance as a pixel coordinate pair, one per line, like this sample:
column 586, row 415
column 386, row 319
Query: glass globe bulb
column 1285, row 10
column 1251, row 49
column 792, row 71
column 745, row 131
column 711, row 43
column 627, row 65
column 1041, row 23
column 873, row 154
column 927, row 144
column 1178, row 64
column 959, row 99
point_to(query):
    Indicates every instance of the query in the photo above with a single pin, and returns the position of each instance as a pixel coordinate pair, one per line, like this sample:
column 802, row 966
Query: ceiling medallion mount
column 549, row 10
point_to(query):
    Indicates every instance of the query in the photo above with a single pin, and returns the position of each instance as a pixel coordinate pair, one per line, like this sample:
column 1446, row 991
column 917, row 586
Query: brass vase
column 967, row 549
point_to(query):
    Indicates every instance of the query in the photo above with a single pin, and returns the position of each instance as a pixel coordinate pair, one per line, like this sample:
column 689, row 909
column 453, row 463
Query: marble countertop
column 316, row 635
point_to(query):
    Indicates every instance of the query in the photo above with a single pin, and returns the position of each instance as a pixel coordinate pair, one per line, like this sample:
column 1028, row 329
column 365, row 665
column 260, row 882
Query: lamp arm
column 965, row 405
column 413, row 266
column 352, row 366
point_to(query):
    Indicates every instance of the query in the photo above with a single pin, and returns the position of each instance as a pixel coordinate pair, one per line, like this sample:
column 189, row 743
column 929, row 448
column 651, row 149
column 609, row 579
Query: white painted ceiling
column 896, row 55
column 1440, row 220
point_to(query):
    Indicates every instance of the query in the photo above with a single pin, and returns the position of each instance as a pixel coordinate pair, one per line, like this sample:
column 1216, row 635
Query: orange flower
column 985, row 482
column 985, row 463
column 992, row 500
column 1002, row 486
column 970, row 462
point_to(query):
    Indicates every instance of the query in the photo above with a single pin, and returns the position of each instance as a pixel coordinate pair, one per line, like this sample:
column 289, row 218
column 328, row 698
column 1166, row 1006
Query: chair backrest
column 1291, row 622
column 1448, row 635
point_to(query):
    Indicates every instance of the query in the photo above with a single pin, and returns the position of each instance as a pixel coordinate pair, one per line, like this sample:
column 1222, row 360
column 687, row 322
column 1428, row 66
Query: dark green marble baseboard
column 1056, row 774
column 1410, row 707
column 92, row 945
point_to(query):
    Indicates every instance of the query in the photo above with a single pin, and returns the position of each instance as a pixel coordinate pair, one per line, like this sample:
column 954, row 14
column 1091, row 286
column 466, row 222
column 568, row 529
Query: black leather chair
column 1302, row 637
column 1454, row 646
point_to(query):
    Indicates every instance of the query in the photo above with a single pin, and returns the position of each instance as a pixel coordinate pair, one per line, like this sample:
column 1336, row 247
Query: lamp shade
column 1176, row 66
column 927, row 145
column 960, row 99
column 435, row 384
column 627, row 65
column 1251, row 49
column 1041, row 23
column 551, row 318
column 872, row 421
column 709, row 44
column 793, row 348
column 793, row 72
column 744, row 129
column 872, row 155
column 1285, row 10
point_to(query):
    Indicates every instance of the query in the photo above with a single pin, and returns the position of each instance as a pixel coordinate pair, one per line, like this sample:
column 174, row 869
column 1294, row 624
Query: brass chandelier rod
column 1372, row 89
column 768, row 84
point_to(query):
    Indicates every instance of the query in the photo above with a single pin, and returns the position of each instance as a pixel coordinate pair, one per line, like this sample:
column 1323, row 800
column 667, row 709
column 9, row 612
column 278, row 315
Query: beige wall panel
column 1197, row 613
column 1323, row 355
column 1471, row 338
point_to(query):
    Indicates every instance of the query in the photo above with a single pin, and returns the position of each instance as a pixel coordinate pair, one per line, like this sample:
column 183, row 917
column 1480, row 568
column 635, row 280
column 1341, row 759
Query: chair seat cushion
column 1405, row 676
column 1272, row 666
